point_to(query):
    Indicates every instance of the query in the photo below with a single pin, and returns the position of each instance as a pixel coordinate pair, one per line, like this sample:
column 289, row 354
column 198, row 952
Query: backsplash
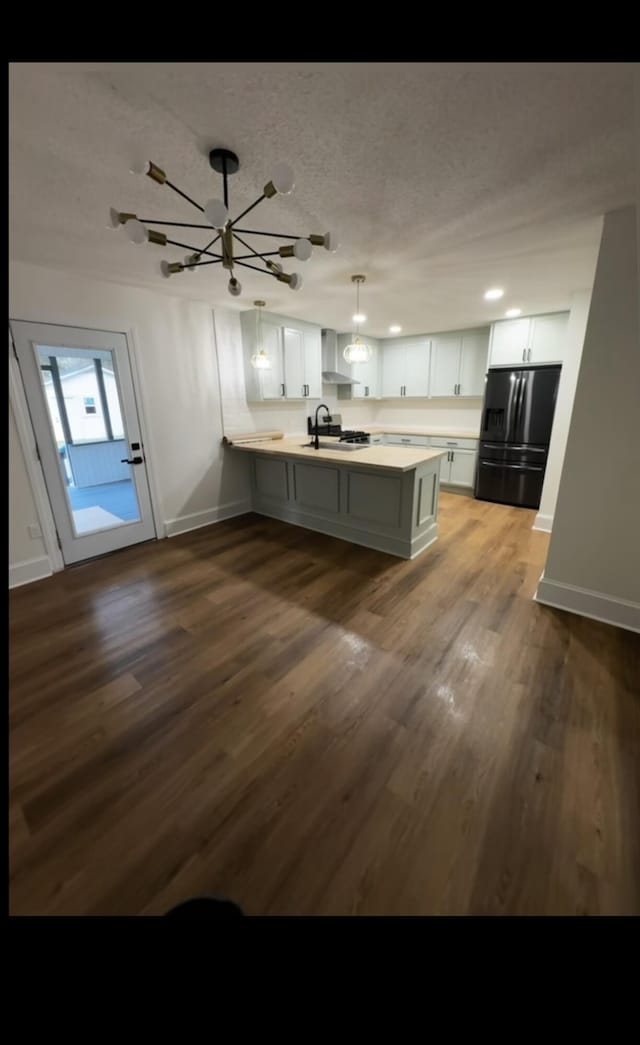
column 441, row 413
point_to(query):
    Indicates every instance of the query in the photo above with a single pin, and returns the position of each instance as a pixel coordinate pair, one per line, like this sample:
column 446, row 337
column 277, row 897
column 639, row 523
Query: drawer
column 449, row 444
column 393, row 439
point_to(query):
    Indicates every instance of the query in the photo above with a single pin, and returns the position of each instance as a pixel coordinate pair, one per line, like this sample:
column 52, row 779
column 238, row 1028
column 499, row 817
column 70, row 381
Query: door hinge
column 58, row 540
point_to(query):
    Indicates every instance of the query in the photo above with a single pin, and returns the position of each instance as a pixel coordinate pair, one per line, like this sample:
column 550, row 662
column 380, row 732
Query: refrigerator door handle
column 522, row 391
column 513, row 446
column 518, row 467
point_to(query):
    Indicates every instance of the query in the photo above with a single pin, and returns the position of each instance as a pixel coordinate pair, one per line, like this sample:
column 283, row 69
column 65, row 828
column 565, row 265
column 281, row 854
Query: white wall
column 196, row 480
column 437, row 413
column 564, row 405
column 27, row 555
column 593, row 564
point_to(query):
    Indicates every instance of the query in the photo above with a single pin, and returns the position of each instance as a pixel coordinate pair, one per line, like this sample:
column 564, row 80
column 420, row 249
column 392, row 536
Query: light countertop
column 394, row 458
column 445, row 433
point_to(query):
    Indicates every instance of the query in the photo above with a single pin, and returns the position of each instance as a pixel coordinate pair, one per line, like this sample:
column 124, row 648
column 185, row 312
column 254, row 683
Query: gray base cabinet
column 394, row 512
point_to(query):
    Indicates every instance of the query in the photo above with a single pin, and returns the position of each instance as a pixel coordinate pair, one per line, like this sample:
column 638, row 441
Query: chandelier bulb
column 282, row 181
column 331, row 242
column 216, row 213
column 191, row 261
column 139, row 166
column 135, row 231
column 234, row 287
column 295, row 281
column 302, row 249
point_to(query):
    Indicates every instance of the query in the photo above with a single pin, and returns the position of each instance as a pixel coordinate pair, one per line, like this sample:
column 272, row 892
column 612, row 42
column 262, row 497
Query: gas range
column 334, row 428
column 349, row 436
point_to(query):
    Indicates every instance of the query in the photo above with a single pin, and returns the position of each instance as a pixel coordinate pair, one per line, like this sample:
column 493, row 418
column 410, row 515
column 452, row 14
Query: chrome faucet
column 316, row 442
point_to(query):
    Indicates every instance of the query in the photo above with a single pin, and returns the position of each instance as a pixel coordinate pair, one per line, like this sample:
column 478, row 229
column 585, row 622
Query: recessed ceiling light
column 513, row 312
column 493, row 294
column 395, row 329
column 359, row 317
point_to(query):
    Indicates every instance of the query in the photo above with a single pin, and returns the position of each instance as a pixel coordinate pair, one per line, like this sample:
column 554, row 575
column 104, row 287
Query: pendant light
column 260, row 360
column 356, row 351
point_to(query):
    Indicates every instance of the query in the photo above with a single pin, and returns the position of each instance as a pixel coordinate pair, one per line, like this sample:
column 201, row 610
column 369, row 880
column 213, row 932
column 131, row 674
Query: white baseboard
column 543, row 522
column 29, row 570
column 619, row 612
column 184, row 523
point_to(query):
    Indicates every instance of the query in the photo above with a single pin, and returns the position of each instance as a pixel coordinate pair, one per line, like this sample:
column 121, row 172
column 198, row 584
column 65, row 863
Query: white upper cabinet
column 458, row 363
column 473, row 362
column 294, row 363
column 445, row 364
column 405, row 368
column 509, row 342
column 294, row 351
column 416, row 381
column 271, row 382
column 531, row 340
column 313, row 362
column 548, row 338
column 392, row 369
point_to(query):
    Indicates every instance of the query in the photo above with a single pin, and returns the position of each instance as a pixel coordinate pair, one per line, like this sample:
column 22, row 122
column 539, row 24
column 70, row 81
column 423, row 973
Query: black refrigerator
column 517, row 416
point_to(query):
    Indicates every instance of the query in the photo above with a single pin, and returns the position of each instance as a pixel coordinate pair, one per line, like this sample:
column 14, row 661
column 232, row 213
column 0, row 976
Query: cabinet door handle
column 524, row 355
column 453, row 454
column 528, row 355
column 282, row 390
column 366, row 390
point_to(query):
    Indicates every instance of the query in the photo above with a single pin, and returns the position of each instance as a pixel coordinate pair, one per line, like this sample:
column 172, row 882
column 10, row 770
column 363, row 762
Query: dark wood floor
column 305, row 726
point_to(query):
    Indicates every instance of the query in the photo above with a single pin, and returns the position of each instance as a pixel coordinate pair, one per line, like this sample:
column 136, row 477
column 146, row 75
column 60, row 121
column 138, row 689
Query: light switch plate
column 34, row 531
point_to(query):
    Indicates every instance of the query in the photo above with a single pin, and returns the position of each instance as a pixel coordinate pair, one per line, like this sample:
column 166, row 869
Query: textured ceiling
column 439, row 179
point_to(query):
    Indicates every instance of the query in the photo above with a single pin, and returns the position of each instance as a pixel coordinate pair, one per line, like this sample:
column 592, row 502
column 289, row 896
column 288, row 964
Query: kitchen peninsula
column 383, row 497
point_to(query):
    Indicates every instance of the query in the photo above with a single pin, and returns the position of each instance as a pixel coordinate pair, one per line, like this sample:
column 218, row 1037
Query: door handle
column 130, row 460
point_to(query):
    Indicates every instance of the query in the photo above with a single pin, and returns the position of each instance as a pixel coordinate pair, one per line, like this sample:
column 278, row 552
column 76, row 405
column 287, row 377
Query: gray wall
column 595, row 544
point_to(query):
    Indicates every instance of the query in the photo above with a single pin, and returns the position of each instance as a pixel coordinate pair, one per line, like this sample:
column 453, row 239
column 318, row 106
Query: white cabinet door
column 416, row 368
column 463, row 468
column 509, row 342
column 366, row 374
column 473, row 364
column 313, row 364
column 272, row 380
column 294, row 363
column 547, row 338
column 393, row 370
column 445, row 468
column 445, row 365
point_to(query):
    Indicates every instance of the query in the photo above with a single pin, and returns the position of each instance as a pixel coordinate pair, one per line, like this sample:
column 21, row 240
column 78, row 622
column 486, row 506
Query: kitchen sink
column 339, row 446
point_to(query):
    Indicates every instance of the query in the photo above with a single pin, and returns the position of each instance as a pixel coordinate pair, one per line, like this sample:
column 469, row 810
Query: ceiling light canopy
column 227, row 233
column 356, row 351
column 494, row 294
column 511, row 313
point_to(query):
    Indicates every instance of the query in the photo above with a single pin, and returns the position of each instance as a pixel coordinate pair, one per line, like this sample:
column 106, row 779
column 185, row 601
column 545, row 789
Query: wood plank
column 311, row 727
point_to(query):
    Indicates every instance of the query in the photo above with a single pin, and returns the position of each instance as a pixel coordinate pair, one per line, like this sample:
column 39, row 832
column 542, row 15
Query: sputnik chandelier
column 228, row 234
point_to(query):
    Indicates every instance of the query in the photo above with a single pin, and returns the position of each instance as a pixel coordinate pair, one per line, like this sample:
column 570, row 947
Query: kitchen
column 503, row 378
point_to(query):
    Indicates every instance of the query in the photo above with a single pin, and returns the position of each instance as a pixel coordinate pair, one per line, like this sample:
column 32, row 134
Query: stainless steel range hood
column 330, row 361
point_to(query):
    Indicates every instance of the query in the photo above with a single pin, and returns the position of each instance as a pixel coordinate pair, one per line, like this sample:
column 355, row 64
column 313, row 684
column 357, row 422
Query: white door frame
column 27, row 440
